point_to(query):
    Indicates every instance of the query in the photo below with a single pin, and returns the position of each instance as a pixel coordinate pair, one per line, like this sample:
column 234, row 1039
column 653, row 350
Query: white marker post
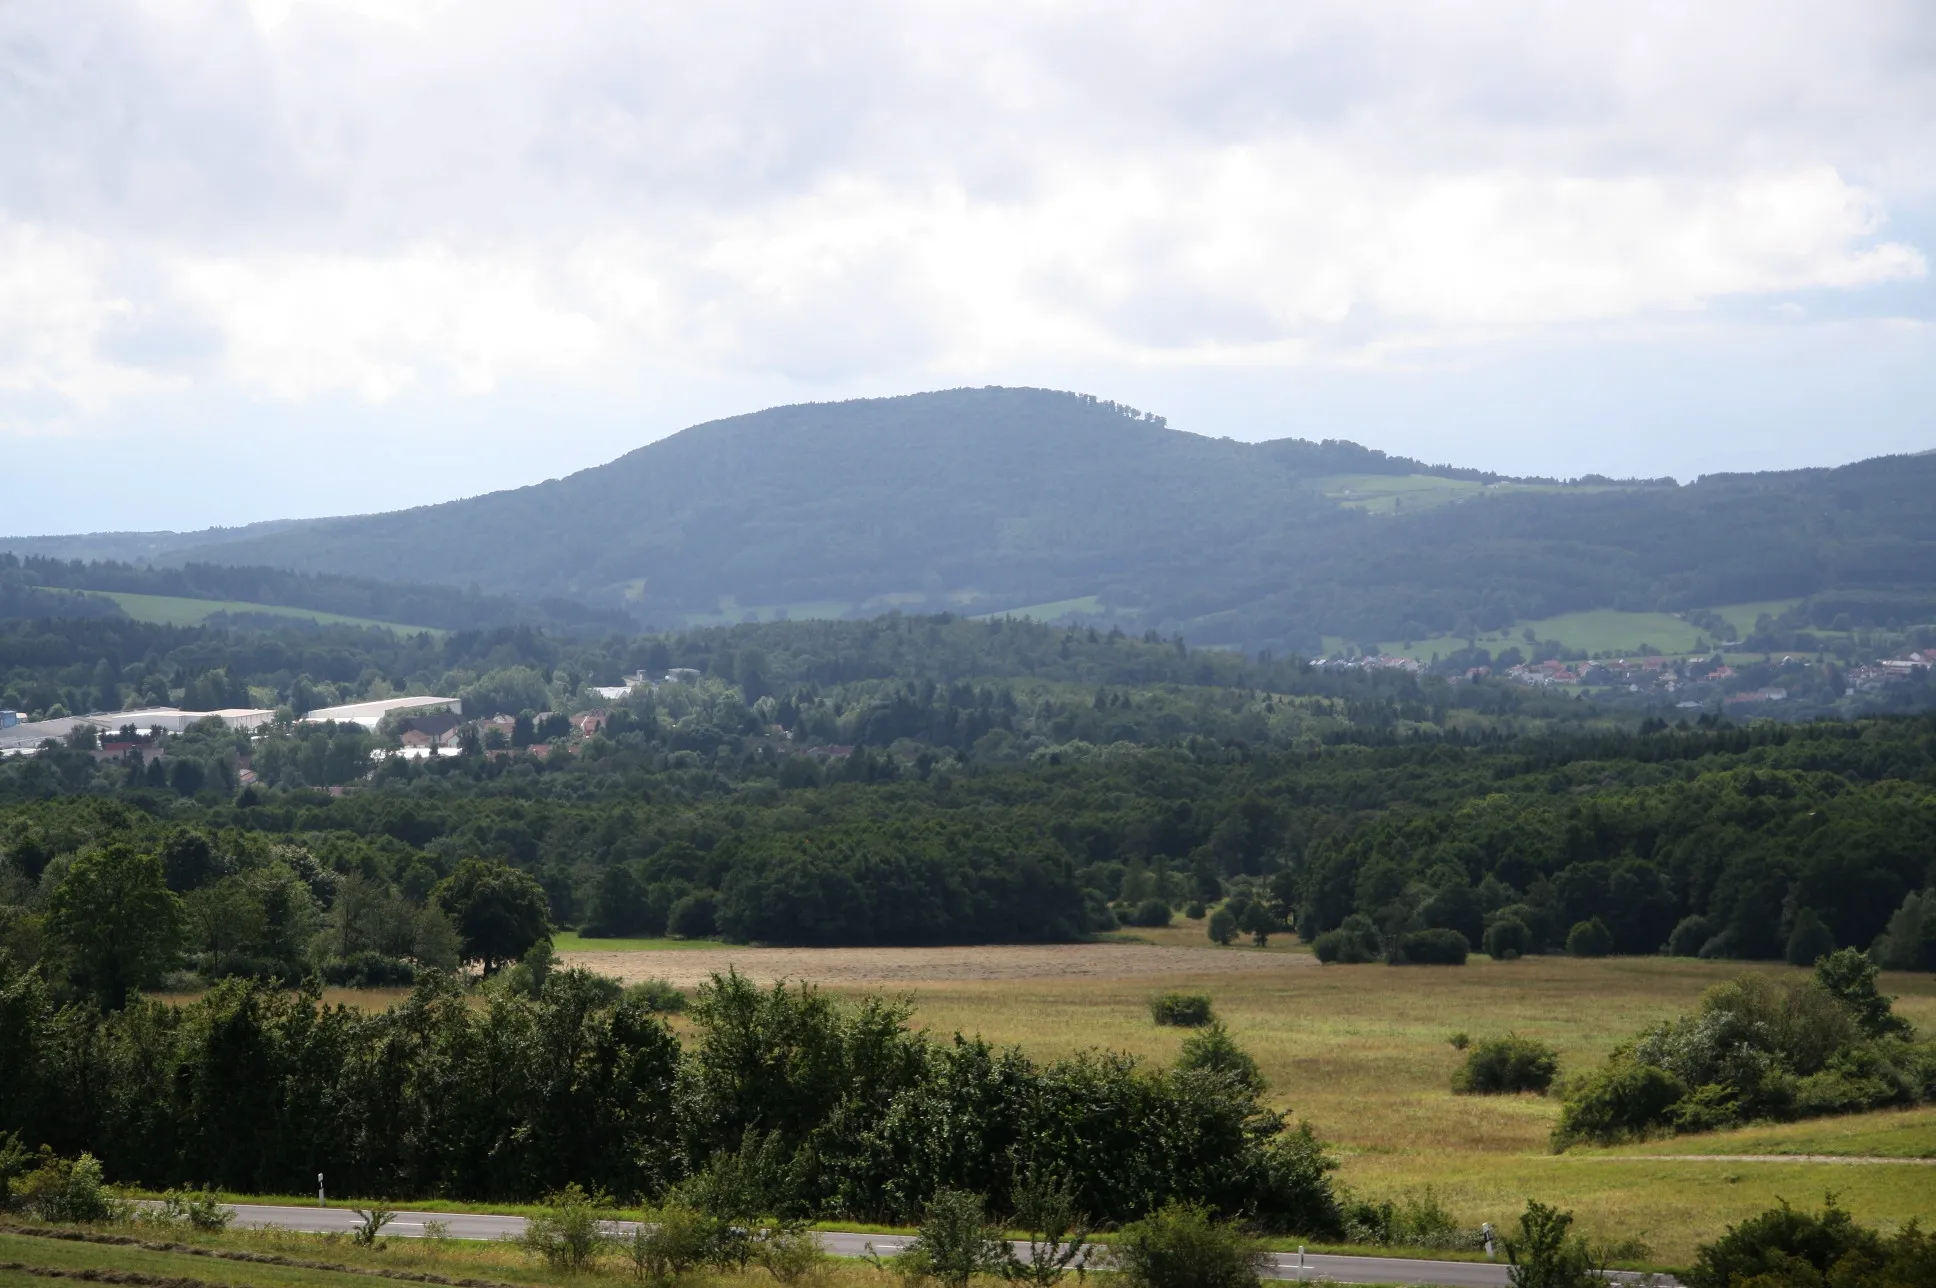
column 320, row 1200
column 1300, row 1263
column 1486, row 1229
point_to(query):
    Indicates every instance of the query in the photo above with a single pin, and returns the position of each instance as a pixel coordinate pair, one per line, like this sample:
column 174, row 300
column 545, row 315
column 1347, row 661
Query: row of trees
column 817, row 1108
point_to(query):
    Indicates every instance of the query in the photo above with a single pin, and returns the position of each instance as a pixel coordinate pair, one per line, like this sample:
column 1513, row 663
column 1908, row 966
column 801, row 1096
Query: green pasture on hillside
column 1743, row 616
column 1391, row 493
column 1597, row 631
column 173, row 610
column 1053, row 611
column 731, row 612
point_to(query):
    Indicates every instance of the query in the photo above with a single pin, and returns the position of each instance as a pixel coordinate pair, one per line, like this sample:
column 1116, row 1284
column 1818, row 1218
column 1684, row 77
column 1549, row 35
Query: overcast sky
column 265, row 258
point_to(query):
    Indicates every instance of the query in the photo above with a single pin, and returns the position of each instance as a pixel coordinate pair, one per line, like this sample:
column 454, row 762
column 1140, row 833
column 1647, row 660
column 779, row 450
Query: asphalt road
column 1285, row 1265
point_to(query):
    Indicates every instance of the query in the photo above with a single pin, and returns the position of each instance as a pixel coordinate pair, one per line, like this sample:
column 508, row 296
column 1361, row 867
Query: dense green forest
column 1038, row 807
column 42, row 587
column 979, row 500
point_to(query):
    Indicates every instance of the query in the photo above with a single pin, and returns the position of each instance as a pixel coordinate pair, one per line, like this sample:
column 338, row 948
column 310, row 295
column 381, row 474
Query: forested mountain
column 980, row 500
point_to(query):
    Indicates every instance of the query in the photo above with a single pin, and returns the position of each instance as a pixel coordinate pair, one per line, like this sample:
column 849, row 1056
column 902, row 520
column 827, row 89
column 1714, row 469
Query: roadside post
column 320, row 1201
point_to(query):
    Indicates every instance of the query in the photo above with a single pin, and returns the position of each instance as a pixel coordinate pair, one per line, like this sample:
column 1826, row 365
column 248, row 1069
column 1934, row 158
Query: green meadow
column 172, row 610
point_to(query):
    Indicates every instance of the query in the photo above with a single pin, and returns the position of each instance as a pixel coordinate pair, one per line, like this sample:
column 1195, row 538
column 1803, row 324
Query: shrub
column 1543, row 1256
column 1809, row 940
column 569, row 1231
column 1214, row 1051
column 1353, row 942
column 790, row 1251
column 672, row 1240
column 1194, row 910
column 1058, row 1231
column 1430, row 948
column 1589, row 939
column 1418, row 1220
column 62, row 1189
column 187, row 1210
column 1293, row 1193
column 1182, row 1010
column 1151, row 913
column 1782, row 1246
column 1223, row 926
column 1503, row 1066
column 1619, row 1102
column 1507, row 939
column 657, row 996
column 1181, row 1246
column 369, row 1225
column 955, row 1242
column 369, row 970
column 1688, row 937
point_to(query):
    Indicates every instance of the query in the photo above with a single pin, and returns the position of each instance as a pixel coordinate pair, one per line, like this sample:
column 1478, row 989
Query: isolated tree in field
column 114, row 913
column 499, row 911
column 1260, row 922
column 1223, row 926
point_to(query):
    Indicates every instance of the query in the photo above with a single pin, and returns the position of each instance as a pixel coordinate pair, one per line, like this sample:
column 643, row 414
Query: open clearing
column 1362, row 1053
column 893, row 968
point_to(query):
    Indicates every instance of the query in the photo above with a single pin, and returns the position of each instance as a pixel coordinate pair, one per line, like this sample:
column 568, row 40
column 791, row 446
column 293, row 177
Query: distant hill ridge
column 980, row 500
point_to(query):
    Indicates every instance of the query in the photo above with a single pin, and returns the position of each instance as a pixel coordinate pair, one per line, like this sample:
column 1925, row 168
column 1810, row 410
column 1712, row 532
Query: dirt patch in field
column 841, row 967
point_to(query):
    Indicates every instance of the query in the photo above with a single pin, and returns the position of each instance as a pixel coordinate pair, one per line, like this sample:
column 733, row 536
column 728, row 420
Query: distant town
column 423, row 726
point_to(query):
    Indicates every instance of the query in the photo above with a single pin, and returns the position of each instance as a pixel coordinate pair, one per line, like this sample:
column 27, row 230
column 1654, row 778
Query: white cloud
column 302, row 199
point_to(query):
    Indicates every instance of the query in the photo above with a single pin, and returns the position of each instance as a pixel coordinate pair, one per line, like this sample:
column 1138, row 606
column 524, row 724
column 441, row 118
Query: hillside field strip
column 1363, row 1053
column 1597, row 631
column 174, row 610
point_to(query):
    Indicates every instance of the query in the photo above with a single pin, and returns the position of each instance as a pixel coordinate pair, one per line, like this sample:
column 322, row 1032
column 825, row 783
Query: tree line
column 1759, row 842
column 827, row 1109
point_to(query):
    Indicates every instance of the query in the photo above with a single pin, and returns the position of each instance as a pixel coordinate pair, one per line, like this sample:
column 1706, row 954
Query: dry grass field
column 1363, row 1053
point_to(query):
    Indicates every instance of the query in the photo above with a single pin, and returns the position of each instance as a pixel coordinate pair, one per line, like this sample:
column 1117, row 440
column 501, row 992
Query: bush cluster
column 1184, row 1010
column 1757, row 1049
column 1502, row 1066
column 1782, row 1246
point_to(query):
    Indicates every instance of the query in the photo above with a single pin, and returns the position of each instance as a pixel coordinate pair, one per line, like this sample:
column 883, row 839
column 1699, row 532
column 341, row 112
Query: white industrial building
column 174, row 720
column 370, row 714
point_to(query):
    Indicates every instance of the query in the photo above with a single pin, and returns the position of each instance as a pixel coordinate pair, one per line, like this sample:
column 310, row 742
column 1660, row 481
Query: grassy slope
column 1362, row 1053
column 171, row 610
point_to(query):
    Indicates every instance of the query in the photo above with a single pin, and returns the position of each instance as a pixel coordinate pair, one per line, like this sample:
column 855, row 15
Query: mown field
column 1363, row 1053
